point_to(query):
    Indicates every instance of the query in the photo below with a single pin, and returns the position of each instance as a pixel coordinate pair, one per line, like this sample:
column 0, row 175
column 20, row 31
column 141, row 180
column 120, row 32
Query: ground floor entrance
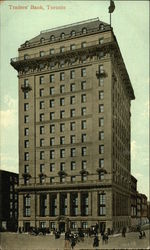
column 26, row 226
column 62, row 227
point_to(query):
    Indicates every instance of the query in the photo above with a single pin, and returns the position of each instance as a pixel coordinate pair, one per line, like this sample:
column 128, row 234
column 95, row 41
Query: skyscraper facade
column 74, row 129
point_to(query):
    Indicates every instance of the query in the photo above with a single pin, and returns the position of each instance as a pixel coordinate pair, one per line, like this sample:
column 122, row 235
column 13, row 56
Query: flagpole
column 110, row 19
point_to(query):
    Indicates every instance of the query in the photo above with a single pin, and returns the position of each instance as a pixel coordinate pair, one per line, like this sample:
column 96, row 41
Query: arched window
column 52, row 38
column 62, row 35
column 27, row 43
column 101, row 27
column 84, row 30
column 73, row 33
column 42, row 40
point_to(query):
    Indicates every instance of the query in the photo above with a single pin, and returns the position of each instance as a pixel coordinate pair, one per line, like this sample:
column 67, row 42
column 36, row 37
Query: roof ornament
column 111, row 9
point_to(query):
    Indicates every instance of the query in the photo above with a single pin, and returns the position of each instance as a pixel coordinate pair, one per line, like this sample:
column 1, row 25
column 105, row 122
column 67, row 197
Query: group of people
column 71, row 239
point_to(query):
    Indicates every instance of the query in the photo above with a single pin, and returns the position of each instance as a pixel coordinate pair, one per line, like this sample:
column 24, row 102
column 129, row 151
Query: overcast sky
column 130, row 22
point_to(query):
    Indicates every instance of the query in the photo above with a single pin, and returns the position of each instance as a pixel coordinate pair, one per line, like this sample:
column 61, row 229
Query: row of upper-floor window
column 63, row 166
column 63, row 141
column 63, row 99
column 73, row 33
column 62, row 152
column 62, row 114
column 62, row 76
column 63, row 125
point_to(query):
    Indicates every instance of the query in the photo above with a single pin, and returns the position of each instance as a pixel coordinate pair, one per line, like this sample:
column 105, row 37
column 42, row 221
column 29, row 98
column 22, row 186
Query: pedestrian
column 96, row 241
column 106, row 238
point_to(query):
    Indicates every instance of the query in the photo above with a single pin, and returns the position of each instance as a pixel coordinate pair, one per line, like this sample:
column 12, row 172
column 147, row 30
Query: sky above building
column 22, row 20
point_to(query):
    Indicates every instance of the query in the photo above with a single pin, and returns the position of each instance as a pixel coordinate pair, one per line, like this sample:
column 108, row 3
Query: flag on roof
column 112, row 6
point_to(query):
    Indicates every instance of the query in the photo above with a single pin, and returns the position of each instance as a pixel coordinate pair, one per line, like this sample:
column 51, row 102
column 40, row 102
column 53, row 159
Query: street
column 14, row 241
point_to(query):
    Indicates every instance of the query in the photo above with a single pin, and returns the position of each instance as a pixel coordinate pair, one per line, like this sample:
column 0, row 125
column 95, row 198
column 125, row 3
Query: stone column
column 58, row 204
column 48, row 203
column 90, row 203
column 38, row 205
column 68, row 204
column 79, row 203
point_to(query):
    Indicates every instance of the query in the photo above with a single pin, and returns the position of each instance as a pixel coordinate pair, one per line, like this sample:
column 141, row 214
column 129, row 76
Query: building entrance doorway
column 62, row 227
column 26, row 226
column 102, row 227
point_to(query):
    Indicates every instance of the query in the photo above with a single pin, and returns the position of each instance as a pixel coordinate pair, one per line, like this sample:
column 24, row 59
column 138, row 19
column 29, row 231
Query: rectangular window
column 26, row 206
column 72, row 126
column 43, row 207
column 72, row 47
column 51, row 103
column 52, row 78
column 42, row 53
column 83, row 98
column 42, row 155
column 62, row 114
column 101, row 95
column 52, row 51
column 52, row 154
column 26, row 143
column 73, row 165
column 101, row 122
column 62, row 101
column 41, row 92
column 101, row 68
column 101, row 108
column 72, row 74
column 84, row 165
column 83, row 124
column 41, row 79
column 52, row 179
column 72, row 99
column 83, row 85
column 84, row 225
column 83, row 45
column 101, row 135
column 62, row 127
column 26, row 119
column 52, row 128
column 26, row 95
column 72, row 87
column 62, row 166
column 26, row 131
column 26, row 106
column 83, row 137
column 41, row 104
column 101, row 149
column 73, row 178
column 62, row 153
column 73, row 152
column 101, row 163
column 62, row 140
column 102, row 204
column 72, row 139
column 52, row 91
column 72, row 113
column 42, row 166
column 62, row 49
column 83, row 72
column 84, row 204
column 26, row 156
column 26, row 82
column 101, row 81
column 84, row 149
column 101, row 40
column 52, row 141
column 62, row 88
column 52, row 115
column 41, row 117
column 73, row 204
column 52, row 167
column 62, row 76
column 26, row 169
column 83, row 111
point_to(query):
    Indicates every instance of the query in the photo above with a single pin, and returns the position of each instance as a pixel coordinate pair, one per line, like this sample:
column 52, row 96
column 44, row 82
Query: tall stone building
column 74, row 129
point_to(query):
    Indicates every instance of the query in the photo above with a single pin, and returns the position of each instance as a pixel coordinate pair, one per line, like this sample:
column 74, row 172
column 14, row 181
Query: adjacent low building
column 8, row 201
